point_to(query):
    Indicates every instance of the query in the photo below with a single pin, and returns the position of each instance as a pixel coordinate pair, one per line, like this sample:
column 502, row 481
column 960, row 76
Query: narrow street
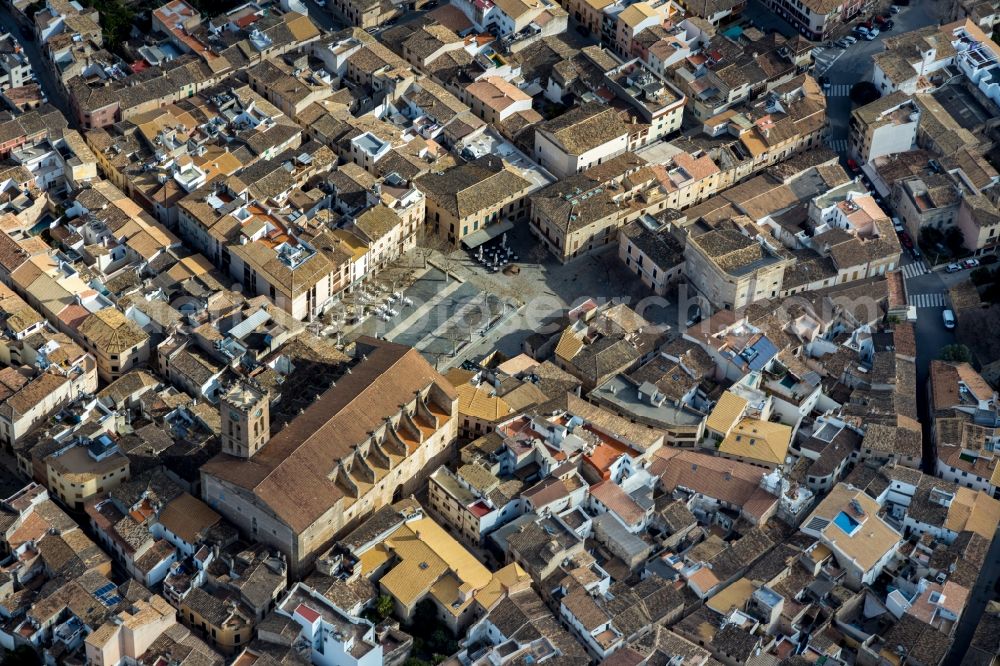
column 47, row 80
column 269, row 204
column 39, row 64
column 925, row 289
column 931, row 335
column 981, row 595
column 845, row 67
column 323, row 17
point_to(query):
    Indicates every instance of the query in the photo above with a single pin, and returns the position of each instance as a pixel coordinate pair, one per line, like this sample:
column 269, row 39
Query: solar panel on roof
column 109, row 599
column 104, row 589
column 765, row 351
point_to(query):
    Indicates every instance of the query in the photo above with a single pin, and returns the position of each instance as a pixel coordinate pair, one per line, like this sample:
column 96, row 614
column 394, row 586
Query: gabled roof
column 472, row 188
column 730, row 481
column 584, row 128
column 727, row 413
column 110, row 331
column 611, row 495
column 754, row 439
column 293, row 474
column 481, row 402
column 188, row 517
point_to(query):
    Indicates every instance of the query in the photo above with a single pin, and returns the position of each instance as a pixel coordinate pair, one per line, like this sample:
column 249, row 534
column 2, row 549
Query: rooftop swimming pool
column 846, row 523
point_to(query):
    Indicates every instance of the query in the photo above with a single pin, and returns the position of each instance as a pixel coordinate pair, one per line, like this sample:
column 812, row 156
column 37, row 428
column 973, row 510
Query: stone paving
column 460, row 310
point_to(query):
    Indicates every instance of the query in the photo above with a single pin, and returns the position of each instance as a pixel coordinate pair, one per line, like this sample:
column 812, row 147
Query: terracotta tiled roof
column 11, row 254
column 496, row 93
column 611, row 495
column 904, row 339
column 293, row 473
column 584, row 128
column 481, row 402
column 973, row 511
column 727, row 413
column 974, row 382
column 188, row 517
column 109, row 331
column 758, row 440
column 730, row 481
column 869, row 541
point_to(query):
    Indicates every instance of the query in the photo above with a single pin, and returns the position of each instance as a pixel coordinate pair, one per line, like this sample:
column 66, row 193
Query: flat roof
column 623, row 394
column 962, row 106
column 731, row 597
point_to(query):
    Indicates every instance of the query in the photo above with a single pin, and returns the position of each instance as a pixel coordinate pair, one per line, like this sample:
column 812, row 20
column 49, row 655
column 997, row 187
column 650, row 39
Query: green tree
column 383, row 607
column 425, row 620
column 954, row 240
column 431, row 637
column 441, row 642
column 414, row 661
column 981, row 276
column 116, row 21
column 22, row 655
column 955, row 354
column 864, row 92
column 930, row 237
column 992, row 292
column 990, row 280
column 33, row 9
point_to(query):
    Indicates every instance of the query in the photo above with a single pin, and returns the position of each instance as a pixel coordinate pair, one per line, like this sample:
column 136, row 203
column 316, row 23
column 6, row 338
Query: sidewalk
column 486, row 343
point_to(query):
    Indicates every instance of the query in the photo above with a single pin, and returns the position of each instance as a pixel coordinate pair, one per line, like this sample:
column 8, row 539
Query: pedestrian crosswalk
column 823, row 58
column 837, row 90
column 928, row 300
column 914, row 269
column 838, row 145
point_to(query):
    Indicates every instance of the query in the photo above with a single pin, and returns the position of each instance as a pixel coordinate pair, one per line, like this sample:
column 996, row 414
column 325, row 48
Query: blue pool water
column 846, row 523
